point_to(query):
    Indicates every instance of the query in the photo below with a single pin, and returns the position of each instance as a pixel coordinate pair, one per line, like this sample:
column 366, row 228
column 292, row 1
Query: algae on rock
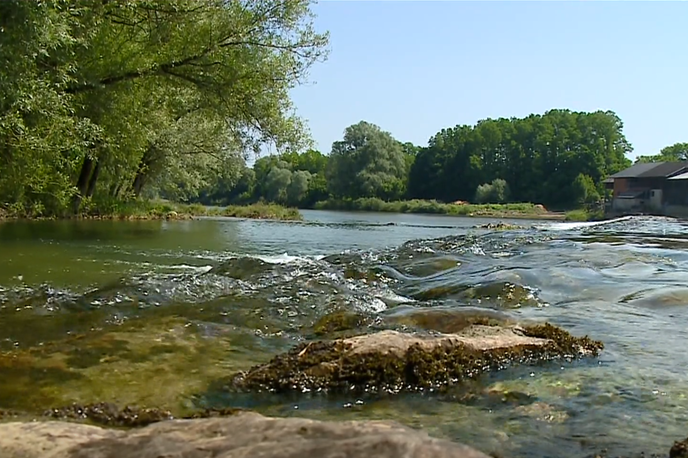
column 394, row 361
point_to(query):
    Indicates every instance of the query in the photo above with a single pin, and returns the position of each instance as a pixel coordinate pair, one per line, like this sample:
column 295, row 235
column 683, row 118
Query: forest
column 558, row 159
column 108, row 102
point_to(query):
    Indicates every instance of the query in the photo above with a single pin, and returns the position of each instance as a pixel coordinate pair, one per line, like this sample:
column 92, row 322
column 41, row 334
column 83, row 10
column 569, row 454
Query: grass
column 583, row 214
column 151, row 210
column 514, row 210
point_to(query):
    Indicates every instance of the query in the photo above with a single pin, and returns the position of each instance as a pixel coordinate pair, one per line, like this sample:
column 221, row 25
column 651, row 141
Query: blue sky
column 415, row 67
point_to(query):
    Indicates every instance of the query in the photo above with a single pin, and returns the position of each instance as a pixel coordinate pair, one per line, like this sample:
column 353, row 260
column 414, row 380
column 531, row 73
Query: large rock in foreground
column 243, row 435
column 394, row 361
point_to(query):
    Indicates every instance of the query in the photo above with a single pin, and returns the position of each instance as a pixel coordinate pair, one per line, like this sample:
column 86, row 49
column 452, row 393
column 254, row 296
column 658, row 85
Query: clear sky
column 415, row 67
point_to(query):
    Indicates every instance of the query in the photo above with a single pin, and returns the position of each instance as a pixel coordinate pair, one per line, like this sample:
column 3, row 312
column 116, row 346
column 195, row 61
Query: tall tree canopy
column 368, row 162
column 108, row 98
column 540, row 157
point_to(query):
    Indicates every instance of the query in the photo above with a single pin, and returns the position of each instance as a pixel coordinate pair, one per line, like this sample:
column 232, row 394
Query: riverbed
column 157, row 313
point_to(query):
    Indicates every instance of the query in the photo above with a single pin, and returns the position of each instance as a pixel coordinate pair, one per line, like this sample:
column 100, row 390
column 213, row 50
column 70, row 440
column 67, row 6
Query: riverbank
column 152, row 210
column 513, row 210
column 584, row 215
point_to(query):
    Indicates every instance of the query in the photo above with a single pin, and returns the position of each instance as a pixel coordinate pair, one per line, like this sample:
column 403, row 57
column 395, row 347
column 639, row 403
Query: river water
column 157, row 313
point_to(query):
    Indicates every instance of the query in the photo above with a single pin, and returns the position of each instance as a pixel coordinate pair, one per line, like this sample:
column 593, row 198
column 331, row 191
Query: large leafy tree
column 145, row 92
column 368, row 162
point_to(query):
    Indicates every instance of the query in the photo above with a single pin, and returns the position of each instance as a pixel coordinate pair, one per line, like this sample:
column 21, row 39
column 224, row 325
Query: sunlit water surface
column 157, row 313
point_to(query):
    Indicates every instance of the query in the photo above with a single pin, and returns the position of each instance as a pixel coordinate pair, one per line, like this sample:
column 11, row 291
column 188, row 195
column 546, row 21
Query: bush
column 495, row 192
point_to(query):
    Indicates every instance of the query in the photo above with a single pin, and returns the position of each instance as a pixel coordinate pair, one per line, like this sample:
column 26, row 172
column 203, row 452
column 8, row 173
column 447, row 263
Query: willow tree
column 159, row 91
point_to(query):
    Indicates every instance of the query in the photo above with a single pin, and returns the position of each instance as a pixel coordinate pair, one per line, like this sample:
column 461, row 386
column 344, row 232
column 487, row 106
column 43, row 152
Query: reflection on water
column 157, row 313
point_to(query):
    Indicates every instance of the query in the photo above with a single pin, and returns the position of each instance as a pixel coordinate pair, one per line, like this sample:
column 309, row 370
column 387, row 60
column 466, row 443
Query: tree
column 677, row 152
column 108, row 98
column 584, row 190
column 539, row 156
column 496, row 192
column 368, row 162
column 277, row 184
column 298, row 187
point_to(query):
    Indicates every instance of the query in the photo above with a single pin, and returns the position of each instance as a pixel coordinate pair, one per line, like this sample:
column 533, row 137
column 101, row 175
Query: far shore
column 162, row 210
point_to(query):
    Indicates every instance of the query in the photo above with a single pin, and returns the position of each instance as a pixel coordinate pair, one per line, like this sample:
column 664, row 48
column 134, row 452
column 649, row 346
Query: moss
column 448, row 321
column 108, row 414
column 500, row 226
column 679, row 450
column 339, row 321
column 329, row 365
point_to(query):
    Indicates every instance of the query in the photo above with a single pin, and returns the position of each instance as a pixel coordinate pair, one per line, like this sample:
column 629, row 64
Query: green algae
column 162, row 362
column 447, row 320
column 340, row 321
column 109, row 414
column 331, row 366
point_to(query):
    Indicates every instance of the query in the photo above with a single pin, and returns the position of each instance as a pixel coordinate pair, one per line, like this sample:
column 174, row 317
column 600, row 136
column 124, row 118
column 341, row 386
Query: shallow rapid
column 159, row 313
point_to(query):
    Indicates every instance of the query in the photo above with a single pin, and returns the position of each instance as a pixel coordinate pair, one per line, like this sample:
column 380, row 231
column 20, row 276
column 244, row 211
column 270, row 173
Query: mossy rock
column 447, row 320
column 500, row 226
column 340, row 321
column 393, row 361
column 108, row 414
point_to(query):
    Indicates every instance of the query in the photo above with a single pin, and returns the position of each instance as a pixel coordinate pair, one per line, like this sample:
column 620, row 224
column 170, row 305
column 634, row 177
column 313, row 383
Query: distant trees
column 368, row 162
column 675, row 153
column 558, row 159
column 539, row 157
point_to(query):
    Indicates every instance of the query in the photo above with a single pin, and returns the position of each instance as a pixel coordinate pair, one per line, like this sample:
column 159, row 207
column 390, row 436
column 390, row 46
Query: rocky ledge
column 394, row 361
column 242, row 435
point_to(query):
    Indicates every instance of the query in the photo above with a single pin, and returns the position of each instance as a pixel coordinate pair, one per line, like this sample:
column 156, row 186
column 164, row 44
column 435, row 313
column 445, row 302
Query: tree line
column 103, row 102
column 559, row 159
column 106, row 101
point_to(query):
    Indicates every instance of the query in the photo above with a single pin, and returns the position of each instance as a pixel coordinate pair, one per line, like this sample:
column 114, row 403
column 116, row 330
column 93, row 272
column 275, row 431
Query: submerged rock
column 447, row 320
column 395, row 361
column 679, row 449
column 108, row 414
column 246, row 434
column 340, row 321
column 500, row 226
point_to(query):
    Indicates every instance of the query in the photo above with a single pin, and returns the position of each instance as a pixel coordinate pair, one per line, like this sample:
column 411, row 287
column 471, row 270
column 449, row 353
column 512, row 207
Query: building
column 658, row 188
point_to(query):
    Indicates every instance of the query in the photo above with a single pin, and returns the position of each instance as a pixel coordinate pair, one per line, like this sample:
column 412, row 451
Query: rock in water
column 394, row 361
column 240, row 436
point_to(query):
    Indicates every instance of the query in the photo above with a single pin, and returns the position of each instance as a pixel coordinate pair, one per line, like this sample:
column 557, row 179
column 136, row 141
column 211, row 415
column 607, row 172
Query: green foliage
column 375, row 204
column 114, row 100
column 584, row 190
column 677, row 152
column 496, row 192
column 583, row 214
column 539, row 156
column 368, row 162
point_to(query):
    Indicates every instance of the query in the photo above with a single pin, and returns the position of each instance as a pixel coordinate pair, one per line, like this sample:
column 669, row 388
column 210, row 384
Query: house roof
column 652, row 170
column 680, row 176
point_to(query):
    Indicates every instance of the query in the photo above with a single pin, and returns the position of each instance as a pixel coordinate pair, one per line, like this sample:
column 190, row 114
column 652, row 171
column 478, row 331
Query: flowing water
column 159, row 313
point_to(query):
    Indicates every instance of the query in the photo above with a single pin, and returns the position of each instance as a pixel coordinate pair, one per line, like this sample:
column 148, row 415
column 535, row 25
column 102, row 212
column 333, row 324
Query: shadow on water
column 171, row 339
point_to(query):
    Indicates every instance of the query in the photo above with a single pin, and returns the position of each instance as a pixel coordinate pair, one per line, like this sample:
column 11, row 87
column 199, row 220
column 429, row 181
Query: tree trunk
column 83, row 182
column 92, row 181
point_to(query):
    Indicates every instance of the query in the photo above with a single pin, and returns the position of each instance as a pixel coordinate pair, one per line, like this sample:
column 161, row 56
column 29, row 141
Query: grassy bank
column 583, row 214
column 517, row 210
column 152, row 210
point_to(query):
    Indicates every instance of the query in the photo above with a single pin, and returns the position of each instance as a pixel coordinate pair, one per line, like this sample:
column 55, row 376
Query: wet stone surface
column 392, row 361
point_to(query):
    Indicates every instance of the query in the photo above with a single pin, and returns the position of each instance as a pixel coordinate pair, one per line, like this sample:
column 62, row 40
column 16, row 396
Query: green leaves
column 539, row 156
column 165, row 95
column 368, row 162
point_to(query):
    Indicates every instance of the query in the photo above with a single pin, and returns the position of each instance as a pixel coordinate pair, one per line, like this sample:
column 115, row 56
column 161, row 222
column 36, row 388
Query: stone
column 679, row 449
column 240, row 436
column 397, row 361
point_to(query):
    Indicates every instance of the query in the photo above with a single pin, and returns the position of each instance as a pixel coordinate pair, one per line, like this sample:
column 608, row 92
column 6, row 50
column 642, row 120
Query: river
column 131, row 312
